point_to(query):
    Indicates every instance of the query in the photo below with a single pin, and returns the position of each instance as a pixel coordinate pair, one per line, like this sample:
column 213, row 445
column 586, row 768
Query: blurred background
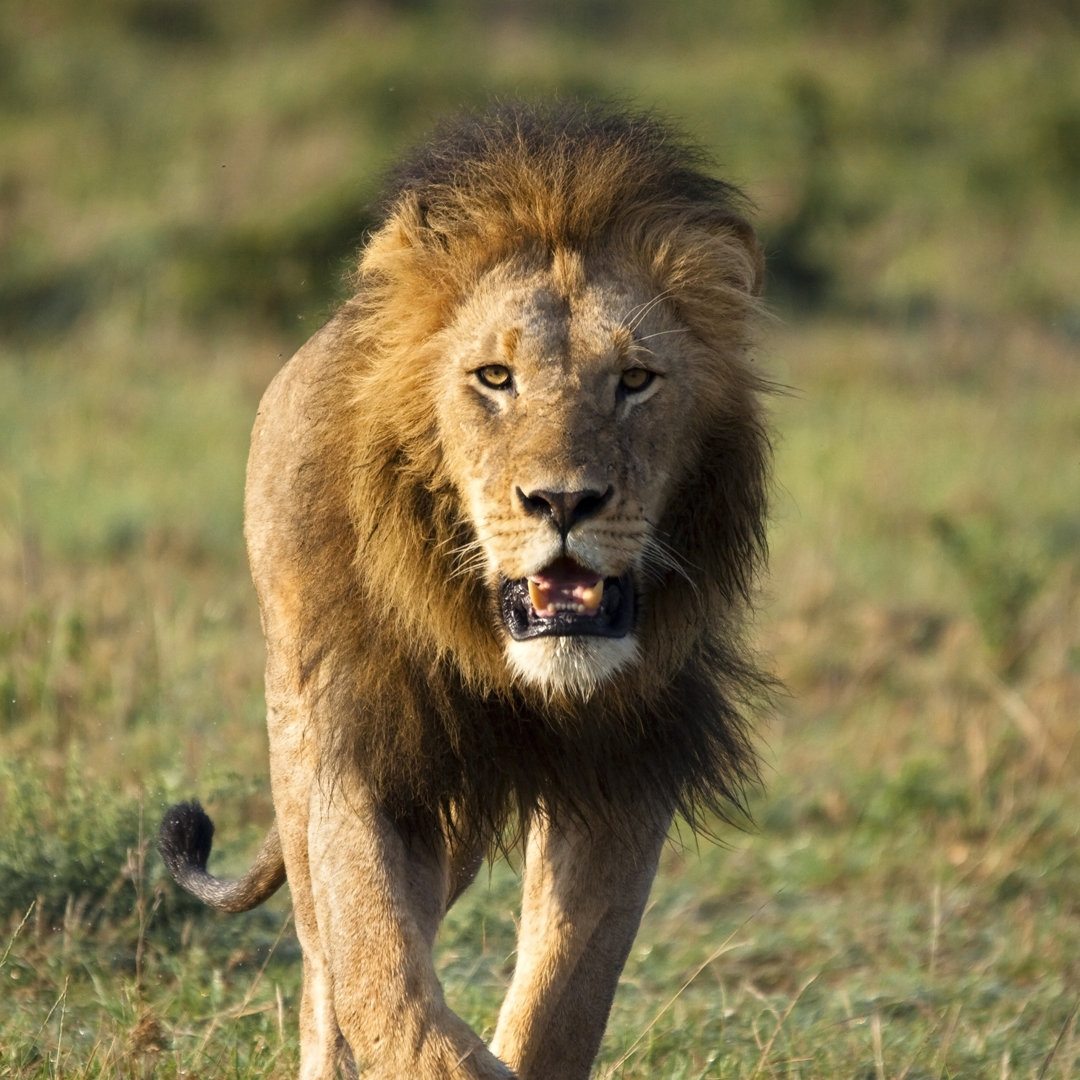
column 183, row 184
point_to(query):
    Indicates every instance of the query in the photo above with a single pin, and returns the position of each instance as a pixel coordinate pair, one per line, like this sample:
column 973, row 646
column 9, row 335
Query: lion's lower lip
column 613, row 617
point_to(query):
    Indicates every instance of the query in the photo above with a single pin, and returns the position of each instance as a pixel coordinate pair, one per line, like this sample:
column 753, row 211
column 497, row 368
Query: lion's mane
column 401, row 639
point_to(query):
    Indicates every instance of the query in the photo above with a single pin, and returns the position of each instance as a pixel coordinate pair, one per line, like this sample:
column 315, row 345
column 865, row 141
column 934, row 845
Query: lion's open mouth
column 564, row 599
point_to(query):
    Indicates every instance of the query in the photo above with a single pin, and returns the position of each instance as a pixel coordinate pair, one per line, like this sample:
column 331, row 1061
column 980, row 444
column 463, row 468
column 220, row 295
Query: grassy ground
column 180, row 185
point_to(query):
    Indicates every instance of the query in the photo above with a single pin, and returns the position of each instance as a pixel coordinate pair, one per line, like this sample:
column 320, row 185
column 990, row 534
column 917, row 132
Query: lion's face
column 567, row 416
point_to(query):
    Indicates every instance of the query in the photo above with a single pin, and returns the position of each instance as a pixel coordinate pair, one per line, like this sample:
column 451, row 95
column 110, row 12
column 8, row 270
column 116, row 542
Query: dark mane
column 665, row 164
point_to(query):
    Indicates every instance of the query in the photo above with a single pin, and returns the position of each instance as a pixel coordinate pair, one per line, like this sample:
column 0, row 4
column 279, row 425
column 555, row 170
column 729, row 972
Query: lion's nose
column 565, row 508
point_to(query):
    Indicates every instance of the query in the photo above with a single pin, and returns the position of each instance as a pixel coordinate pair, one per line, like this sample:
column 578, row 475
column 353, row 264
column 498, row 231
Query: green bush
column 78, row 851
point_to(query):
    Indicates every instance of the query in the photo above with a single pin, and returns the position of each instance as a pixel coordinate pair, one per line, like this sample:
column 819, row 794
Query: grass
column 179, row 190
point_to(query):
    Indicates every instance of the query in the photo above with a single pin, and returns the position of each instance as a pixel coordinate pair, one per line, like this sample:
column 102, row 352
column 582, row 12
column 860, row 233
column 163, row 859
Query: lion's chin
column 577, row 665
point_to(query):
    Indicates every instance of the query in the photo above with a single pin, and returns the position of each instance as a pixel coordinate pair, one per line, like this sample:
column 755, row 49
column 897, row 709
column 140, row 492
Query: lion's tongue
column 565, row 586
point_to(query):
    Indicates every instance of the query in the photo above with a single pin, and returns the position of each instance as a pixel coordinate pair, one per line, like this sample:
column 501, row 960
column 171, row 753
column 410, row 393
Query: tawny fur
column 385, row 499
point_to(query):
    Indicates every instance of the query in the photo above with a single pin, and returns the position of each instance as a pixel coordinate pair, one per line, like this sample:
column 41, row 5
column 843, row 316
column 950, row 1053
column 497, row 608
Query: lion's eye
column 636, row 379
column 495, row 376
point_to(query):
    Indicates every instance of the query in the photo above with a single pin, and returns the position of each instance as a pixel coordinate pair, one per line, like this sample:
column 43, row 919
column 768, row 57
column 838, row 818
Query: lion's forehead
column 536, row 319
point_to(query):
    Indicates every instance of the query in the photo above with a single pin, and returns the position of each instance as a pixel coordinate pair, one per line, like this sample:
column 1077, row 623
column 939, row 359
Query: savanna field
column 182, row 185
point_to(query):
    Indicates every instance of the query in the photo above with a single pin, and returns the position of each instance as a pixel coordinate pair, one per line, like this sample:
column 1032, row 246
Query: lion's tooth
column 538, row 597
column 591, row 595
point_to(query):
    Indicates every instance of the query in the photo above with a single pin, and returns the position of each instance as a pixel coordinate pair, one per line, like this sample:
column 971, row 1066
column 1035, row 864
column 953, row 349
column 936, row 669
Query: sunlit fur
column 395, row 590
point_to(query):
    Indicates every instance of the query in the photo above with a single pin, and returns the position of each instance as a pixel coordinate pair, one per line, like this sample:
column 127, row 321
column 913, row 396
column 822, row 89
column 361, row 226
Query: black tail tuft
column 185, row 838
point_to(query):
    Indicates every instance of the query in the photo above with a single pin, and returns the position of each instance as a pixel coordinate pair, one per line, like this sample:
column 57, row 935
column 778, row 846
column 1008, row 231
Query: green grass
column 181, row 186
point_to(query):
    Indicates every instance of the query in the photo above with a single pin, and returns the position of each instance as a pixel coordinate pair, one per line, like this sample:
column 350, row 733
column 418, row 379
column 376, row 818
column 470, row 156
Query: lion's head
column 557, row 433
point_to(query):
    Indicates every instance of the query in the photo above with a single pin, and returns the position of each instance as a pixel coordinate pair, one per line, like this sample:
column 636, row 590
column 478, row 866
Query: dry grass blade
column 16, row 932
column 1044, row 1071
column 243, row 1008
column 766, row 1050
column 723, row 947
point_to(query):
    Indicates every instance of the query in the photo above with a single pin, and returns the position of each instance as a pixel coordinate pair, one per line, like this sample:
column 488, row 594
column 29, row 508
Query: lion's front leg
column 378, row 902
column 585, row 890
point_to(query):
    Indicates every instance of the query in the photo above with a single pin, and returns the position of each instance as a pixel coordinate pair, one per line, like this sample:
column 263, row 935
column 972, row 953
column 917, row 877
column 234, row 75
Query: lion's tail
column 185, row 839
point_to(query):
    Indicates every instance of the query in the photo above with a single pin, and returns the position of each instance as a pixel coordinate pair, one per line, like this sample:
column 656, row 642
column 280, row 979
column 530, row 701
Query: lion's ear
column 405, row 258
column 386, row 247
column 737, row 231
column 401, row 243
column 401, row 229
column 413, row 232
column 709, row 260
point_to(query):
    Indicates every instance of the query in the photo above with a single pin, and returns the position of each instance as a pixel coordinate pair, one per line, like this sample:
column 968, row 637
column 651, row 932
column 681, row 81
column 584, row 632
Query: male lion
column 504, row 515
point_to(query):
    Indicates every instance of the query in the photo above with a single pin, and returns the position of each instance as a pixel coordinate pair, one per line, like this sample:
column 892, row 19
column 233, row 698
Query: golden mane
column 414, row 638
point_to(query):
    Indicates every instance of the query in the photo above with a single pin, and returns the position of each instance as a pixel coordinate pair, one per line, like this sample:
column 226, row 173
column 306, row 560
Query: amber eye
column 495, row 376
column 635, row 379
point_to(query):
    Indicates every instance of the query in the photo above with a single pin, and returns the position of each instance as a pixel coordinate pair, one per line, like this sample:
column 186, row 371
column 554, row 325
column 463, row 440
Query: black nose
column 565, row 508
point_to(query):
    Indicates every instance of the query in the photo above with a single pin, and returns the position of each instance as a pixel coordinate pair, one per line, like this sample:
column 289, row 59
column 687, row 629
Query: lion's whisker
column 661, row 333
column 635, row 316
column 468, row 567
column 660, row 556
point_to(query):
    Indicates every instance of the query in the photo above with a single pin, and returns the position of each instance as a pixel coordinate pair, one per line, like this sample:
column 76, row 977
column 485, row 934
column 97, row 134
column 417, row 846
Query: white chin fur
column 577, row 665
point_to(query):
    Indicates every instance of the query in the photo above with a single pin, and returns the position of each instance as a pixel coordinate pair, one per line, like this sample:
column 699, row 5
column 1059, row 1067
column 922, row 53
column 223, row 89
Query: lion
column 505, row 516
